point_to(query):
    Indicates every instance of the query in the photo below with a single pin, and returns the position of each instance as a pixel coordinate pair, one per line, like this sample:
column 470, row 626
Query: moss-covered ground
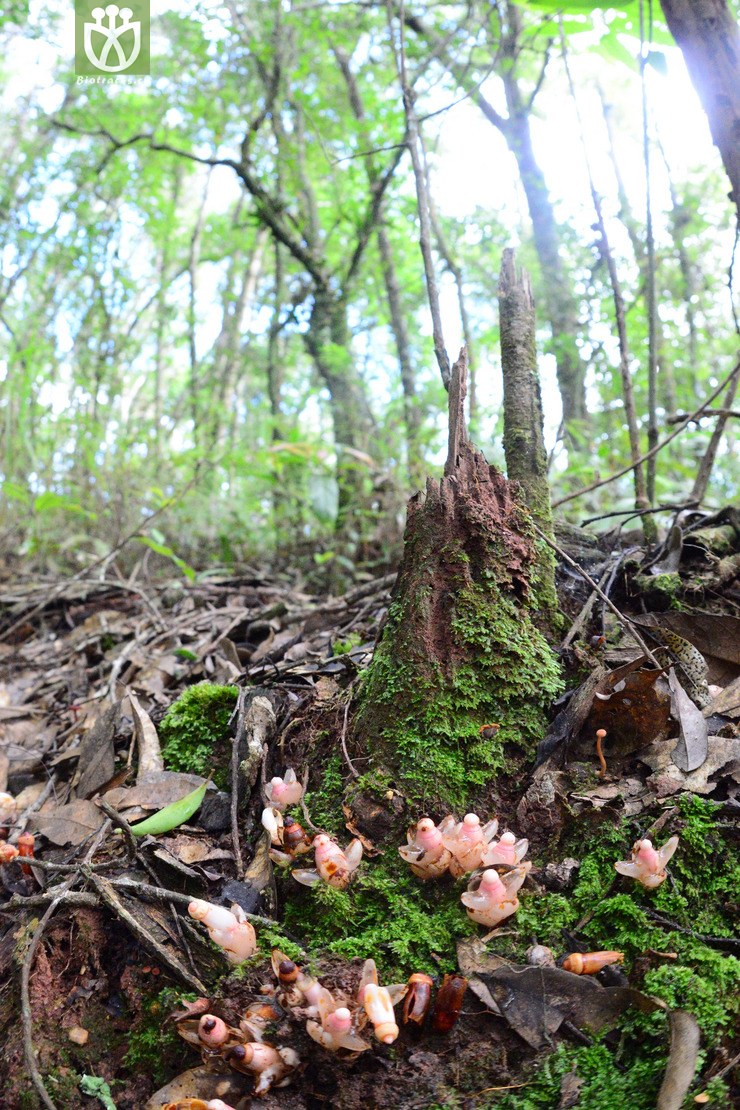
column 195, row 728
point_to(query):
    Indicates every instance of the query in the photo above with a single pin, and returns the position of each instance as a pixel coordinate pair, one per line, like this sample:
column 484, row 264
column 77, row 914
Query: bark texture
column 710, row 41
column 461, row 647
column 524, row 443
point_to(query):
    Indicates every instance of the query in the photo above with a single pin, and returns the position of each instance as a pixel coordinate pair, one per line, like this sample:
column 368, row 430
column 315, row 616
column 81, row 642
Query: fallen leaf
column 535, row 1001
column 161, row 790
column 190, row 850
column 150, row 753
column 691, row 749
column 634, row 711
column 723, row 754
column 199, row 1083
column 96, row 758
column 726, row 703
column 70, row 824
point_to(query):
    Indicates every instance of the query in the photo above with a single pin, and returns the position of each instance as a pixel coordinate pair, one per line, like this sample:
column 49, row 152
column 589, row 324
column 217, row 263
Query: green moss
column 426, row 719
column 606, row 1086
column 193, row 727
column 663, row 590
column 341, row 647
column 325, row 803
column 614, row 915
column 154, row 1047
column 385, row 913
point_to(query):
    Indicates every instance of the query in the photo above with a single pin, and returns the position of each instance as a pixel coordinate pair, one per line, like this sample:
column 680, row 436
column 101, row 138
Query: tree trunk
column 329, row 343
column 524, row 442
column 460, row 648
column 710, row 40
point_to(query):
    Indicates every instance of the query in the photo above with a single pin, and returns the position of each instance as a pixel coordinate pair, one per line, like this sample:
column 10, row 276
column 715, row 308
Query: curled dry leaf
column 200, row 1083
column 691, row 749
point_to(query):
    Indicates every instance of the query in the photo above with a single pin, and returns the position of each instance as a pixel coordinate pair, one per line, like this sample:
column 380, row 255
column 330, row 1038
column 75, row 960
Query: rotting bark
column 524, row 442
column 461, row 646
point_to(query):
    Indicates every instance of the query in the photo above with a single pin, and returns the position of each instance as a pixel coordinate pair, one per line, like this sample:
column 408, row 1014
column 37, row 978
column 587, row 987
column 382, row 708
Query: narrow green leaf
column 172, row 815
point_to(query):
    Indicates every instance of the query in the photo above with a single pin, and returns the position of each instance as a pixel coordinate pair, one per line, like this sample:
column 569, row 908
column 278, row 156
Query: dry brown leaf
column 150, row 753
column 70, row 824
column 727, row 702
column 199, row 1083
column 691, row 749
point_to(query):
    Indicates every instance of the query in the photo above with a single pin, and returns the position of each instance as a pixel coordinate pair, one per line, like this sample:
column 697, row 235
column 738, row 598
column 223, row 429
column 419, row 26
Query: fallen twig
column 108, row 895
column 624, row 620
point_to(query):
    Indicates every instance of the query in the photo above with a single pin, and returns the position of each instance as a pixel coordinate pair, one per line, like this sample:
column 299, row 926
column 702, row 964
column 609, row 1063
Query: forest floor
column 97, row 951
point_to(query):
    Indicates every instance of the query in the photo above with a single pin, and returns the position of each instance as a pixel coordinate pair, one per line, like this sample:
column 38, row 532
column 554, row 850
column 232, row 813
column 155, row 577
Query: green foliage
column 195, row 725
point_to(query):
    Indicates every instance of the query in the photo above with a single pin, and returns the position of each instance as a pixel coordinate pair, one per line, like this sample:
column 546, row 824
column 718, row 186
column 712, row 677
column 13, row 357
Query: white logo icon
column 111, row 35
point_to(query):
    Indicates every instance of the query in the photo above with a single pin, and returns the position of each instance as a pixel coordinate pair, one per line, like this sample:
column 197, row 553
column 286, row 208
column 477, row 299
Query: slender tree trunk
column 710, row 40
column 411, row 410
column 707, row 463
column 328, row 342
column 560, row 304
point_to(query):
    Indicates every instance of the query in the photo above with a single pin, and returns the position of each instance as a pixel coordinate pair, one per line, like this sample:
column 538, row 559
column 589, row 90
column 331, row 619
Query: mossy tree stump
column 463, row 645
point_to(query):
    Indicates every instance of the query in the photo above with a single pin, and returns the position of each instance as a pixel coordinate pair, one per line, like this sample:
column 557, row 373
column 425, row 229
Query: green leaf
column 658, row 60
column 172, row 815
column 163, row 549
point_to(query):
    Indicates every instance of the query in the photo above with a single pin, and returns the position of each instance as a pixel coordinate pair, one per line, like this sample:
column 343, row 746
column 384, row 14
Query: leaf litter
column 82, row 694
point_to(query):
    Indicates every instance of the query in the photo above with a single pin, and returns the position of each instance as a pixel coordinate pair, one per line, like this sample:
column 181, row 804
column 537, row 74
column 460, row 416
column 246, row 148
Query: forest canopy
column 213, row 303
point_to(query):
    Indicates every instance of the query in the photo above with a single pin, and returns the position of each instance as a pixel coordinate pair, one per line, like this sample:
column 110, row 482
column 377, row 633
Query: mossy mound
column 195, row 725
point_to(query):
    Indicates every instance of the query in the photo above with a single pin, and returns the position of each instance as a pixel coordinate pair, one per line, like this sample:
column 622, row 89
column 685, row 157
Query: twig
column 159, row 894
column 31, row 901
column 352, row 770
column 624, row 620
column 236, row 743
column 726, row 944
column 108, row 895
column 120, row 823
column 654, row 450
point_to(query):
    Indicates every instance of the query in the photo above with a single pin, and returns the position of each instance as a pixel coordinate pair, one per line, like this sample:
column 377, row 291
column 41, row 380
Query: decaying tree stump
column 463, row 646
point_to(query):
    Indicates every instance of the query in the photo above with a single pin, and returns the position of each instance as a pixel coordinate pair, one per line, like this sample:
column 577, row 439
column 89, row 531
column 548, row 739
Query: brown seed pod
column 448, row 1002
column 287, row 972
column 294, row 836
column 589, row 963
column 418, row 997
